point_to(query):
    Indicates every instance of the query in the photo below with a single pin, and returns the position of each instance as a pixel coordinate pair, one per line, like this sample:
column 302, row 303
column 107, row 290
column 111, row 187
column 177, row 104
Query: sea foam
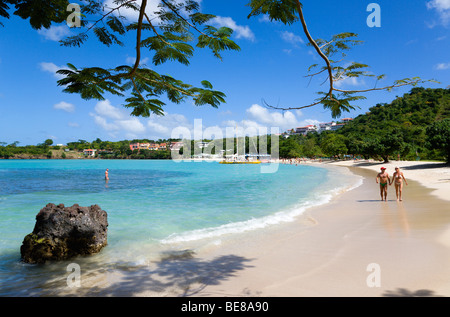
column 317, row 198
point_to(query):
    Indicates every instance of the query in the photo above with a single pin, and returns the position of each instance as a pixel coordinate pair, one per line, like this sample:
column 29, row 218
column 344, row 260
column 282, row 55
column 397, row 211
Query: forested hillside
column 387, row 131
column 399, row 127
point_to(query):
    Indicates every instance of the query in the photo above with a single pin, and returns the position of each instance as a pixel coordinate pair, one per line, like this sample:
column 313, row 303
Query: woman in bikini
column 398, row 179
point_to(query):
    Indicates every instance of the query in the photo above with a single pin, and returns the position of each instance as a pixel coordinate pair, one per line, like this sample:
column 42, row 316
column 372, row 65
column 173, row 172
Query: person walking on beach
column 107, row 174
column 398, row 179
column 384, row 181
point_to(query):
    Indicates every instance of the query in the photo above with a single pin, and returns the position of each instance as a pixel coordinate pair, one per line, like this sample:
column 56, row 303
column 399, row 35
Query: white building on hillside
column 306, row 130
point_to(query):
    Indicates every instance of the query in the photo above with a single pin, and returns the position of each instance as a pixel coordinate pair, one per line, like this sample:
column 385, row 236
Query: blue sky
column 413, row 40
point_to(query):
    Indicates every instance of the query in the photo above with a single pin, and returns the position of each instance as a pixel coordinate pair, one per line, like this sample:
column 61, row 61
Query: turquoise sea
column 151, row 205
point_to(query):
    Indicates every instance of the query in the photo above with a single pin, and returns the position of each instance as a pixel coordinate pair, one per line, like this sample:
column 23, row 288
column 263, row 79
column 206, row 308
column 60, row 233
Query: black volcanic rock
column 61, row 233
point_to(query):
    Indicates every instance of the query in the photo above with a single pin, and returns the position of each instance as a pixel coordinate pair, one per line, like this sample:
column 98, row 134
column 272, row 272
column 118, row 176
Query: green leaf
column 90, row 83
column 206, row 84
column 76, row 40
column 144, row 108
column 72, row 67
column 212, row 98
column 42, row 13
column 312, row 66
column 177, row 52
column 4, row 10
column 284, row 11
column 217, row 40
column 116, row 25
column 105, row 37
column 200, row 18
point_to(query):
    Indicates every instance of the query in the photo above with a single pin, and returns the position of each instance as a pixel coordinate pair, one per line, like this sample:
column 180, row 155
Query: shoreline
column 409, row 242
column 353, row 245
column 432, row 175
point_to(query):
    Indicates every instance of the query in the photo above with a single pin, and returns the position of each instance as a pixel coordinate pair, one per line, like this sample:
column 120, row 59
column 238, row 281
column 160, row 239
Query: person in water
column 398, row 179
column 384, row 180
column 107, row 174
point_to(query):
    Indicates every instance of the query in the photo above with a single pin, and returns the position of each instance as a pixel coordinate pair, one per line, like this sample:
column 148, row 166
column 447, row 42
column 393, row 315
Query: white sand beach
column 433, row 175
column 355, row 245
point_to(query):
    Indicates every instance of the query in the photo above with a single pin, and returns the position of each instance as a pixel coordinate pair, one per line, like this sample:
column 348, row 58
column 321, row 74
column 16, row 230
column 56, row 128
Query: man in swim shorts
column 384, row 181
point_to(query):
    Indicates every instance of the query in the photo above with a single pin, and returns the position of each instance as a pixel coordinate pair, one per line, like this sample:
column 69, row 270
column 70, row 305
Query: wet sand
column 355, row 245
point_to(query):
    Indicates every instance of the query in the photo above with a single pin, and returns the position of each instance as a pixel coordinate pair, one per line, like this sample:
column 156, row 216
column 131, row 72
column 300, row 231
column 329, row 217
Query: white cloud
column 51, row 68
column 55, row 33
column 132, row 60
column 105, row 109
column 118, row 123
column 115, row 120
column 443, row 66
column 264, row 18
column 291, row 38
column 443, row 9
column 350, row 81
column 68, row 107
column 164, row 125
column 103, row 123
column 259, row 120
column 276, row 119
column 131, row 14
column 440, row 5
column 133, row 125
column 243, row 127
column 240, row 31
column 262, row 120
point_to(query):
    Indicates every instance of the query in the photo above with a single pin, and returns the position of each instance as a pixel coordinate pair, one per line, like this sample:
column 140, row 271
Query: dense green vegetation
column 12, row 150
column 105, row 149
column 414, row 126
column 120, row 149
column 386, row 131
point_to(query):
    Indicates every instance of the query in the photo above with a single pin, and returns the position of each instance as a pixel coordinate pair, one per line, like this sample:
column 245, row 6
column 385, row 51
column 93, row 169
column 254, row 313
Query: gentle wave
column 280, row 217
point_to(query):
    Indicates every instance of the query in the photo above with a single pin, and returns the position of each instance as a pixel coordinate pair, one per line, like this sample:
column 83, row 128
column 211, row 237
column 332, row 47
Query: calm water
column 151, row 205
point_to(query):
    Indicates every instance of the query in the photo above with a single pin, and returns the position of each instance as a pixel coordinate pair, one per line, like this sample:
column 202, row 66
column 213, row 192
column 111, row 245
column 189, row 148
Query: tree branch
column 185, row 20
column 138, row 38
column 330, row 78
column 137, row 90
column 374, row 89
column 156, row 32
column 105, row 15
column 317, row 48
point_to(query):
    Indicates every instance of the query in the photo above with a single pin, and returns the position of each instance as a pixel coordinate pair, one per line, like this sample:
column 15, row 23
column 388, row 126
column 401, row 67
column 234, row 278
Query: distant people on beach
column 398, row 179
column 384, row 180
column 107, row 174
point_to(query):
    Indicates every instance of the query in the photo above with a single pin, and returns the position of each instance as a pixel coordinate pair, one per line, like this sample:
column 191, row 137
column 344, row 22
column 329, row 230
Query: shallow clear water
column 149, row 204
